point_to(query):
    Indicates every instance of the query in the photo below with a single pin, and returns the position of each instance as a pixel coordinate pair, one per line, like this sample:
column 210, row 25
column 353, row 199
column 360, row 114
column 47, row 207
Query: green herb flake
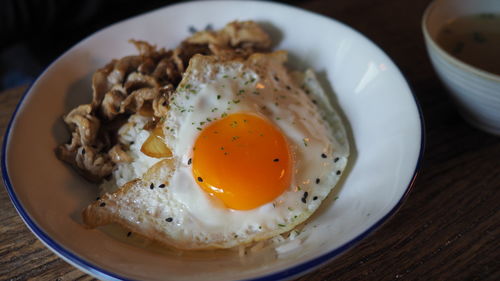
column 223, row 115
column 225, row 76
column 198, row 128
column 281, row 225
column 236, row 101
column 218, row 97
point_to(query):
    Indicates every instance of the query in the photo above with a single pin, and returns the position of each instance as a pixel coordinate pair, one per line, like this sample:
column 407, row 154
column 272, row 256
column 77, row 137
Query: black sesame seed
column 336, row 159
column 276, row 160
column 276, row 78
column 200, row 179
column 338, row 172
column 102, row 204
column 190, row 161
column 323, row 155
column 314, row 101
column 83, row 151
column 317, row 181
column 288, row 87
column 151, row 186
column 169, row 219
column 304, row 198
column 161, row 185
column 164, row 103
column 129, row 233
column 315, row 198
column 98, row 198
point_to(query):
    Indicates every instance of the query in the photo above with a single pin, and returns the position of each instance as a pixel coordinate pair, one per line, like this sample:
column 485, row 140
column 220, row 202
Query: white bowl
column 475, row 92
column 385, row 127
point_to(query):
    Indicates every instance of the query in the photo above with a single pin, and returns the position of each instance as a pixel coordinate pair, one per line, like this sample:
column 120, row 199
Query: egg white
column 211, row 90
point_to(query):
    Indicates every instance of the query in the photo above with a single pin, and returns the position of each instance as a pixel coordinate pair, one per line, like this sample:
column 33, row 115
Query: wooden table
column 448, row 228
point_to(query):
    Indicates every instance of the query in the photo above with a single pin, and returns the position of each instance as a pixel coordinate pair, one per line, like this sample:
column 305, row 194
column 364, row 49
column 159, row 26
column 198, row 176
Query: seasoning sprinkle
column 281, row 225
column 338, row 172
column 323, row 155
column 276, row 160
column 151, row 186
column 102, row 204
column 98, row 198
column 190, row 161
column 336, row 159
column 83, row 151
column 304, row 197
column 169, row 219
column 129, row 233
column 317, row 181
column 161, row 185
column 315, row 198
column 200, row 179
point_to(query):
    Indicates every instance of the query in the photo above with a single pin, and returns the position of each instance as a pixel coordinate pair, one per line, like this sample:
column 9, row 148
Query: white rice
column 134, row 135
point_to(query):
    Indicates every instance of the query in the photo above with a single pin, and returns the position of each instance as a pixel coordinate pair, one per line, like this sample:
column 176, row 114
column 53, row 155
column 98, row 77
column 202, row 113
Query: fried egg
column 255, row 150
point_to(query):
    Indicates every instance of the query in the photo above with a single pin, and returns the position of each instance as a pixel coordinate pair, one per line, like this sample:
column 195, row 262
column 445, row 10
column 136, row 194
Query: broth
column 474, row 39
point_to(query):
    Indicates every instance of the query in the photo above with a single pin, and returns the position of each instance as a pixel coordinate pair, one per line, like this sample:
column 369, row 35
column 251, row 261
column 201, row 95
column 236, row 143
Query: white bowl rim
column 288, row 273
column 451, row 59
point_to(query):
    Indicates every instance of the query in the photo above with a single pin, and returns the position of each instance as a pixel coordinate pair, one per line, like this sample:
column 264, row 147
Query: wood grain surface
column 448, row 228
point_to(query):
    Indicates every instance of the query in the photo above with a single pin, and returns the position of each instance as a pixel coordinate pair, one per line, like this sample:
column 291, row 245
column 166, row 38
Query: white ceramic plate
column 383, row 116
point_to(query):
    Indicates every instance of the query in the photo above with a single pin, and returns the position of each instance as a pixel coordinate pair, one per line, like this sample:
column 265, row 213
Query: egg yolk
column 242, row 159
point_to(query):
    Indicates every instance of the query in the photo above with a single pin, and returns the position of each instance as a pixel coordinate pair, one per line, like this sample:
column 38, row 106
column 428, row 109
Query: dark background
column 35, row 32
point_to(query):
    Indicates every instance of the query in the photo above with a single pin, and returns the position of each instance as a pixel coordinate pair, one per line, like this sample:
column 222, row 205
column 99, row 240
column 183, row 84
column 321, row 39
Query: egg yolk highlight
column 242, row 159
